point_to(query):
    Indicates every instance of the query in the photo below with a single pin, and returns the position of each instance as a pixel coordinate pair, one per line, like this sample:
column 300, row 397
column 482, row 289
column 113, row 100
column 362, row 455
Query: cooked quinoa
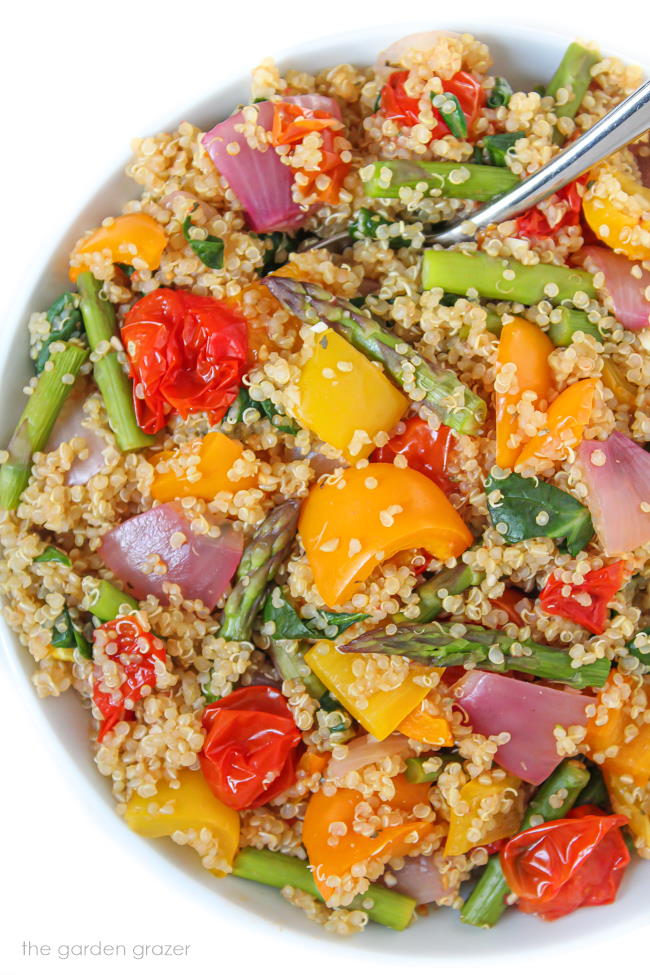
column 466, row 800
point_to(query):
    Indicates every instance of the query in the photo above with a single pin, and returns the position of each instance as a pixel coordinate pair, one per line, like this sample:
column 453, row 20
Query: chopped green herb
column 452, row 114
column 127, row 269
column 500, row 94
column 65, row 324
column 265, row 407
column 289, row 625
column 365, row 224
column 52, row 554
column 496, row 147
column 279, row 245
column 640, row 648
column 65, row 635
column 529, row 508
column 210, row 250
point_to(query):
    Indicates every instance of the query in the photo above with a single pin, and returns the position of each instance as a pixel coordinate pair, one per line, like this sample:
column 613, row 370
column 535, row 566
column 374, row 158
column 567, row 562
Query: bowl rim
column 97, row 794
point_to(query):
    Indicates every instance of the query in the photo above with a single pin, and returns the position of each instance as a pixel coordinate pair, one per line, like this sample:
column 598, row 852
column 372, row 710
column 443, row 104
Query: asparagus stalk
column 503, row 280
column 455, row 644
column 487, row 902
column 450, row 581
column 108, row 600
column 289, row 660
column 574, row 75
column 262, row 558
column 99, row 321
column 39, row 416
column 566, row 322
column 415, row 771
column 595, row 792
column 458, row 181
column 279, row 870
column 453, row 402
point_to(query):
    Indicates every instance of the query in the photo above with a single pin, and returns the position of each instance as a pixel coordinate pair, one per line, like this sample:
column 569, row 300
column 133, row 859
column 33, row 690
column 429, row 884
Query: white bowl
column 527, row 57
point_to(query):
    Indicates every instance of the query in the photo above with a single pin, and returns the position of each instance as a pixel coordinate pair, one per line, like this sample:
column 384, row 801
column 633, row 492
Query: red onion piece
column 202, row 566
column 366, row 750
column 617, row 489
column 420, row 879
column 631, row 307
column 391, row 58
column 528, row 712
column 262, row 183
column 70, row 425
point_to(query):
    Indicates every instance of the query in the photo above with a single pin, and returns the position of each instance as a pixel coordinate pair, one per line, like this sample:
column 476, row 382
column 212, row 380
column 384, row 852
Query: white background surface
column 78, row 79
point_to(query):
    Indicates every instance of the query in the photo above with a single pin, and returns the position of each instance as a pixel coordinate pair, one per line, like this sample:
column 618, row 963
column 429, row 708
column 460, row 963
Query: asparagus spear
column 565, row 322
column 440, row 389
column 451, row 581
column 99, row 321
column 574, row 75
column 503, row 280
column 487, row 902
column 262, row 558
column 389, row 908
column 39, row 416
column 459, row 181
column 288, row 657
column 454, row 644
column 415, row 771
column 107, row 601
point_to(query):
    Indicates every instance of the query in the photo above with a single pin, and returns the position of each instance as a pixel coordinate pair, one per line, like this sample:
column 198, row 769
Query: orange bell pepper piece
column 525, row 345
column 312, row 762
column 567, row 417
column 408, row 794
column 617, row 222
column 337, row 861
column 137, row 230
column 421, row 725
column 632, row 759
column 369, row 515
column 217, row 454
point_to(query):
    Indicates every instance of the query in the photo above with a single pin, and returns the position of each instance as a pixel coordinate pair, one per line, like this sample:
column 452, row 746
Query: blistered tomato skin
column 250, row 752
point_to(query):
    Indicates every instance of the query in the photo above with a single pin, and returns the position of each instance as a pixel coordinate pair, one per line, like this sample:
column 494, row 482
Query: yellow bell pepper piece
column 386, row 709
column 217, row 454
column 525, row 345
column 567, row 417
column 61, row 653
column 369, row 515
column 137, row 230
column 619, row 223
column 485, row 820
column 337, row 860
column 614, row 379
column 632, row 758
column 422, row 726
column 626, row 803
column 342, row 392
column 194, row 807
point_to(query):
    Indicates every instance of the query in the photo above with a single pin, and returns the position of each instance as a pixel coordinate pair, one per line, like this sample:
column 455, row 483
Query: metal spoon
column 622, row 125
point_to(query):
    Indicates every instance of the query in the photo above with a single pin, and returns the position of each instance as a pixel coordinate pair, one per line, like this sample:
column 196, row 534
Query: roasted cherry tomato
column 600, row 585
column 567, row 863
column 509, row 603
column 135, row 651
column 425, row 450
column 291, row 123
column 397, row 105
column 187, row 354
column 534, row 222
column 250, row 752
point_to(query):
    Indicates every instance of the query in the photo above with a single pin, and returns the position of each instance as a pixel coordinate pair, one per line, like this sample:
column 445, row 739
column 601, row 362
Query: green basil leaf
column 530, row 508
column 279, row 245
column 70, row 637
column 265, row 407
column 210, row 250
column 496, row 147
column 454, row 119
column 65, row 324
column 289, row 625
column 52, row 554
column 500, row 94
column 364, row 226
column 128, row 269
column 641, row 652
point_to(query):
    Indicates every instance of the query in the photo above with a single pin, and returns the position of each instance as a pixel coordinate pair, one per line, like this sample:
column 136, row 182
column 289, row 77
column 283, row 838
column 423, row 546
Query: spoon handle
column 622, row 125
